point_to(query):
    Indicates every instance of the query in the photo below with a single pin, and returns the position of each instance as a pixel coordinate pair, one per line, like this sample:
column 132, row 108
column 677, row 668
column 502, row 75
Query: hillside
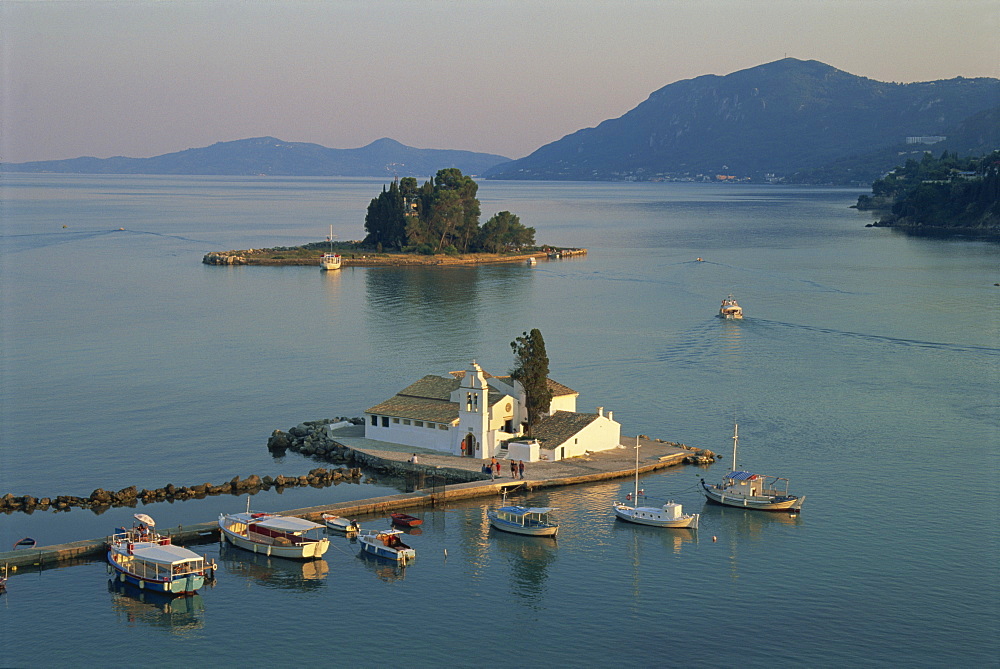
column 774, row 119
column 274, row 157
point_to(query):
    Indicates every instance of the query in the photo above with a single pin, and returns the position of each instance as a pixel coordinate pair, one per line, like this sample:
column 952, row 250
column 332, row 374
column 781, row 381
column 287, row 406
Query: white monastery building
column 478, row 415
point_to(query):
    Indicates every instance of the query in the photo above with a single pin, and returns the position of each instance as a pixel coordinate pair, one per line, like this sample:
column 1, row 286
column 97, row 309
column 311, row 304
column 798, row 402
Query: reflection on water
column 730, row 339
column 384, row 569
column 670, row 538
column 529, row 559
column 133, row 606
column 273, row 572
column 407, row 306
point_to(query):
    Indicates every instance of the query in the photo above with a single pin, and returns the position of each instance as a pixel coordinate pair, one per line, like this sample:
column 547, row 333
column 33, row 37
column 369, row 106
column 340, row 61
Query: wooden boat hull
column 307, row 551
column 637, row 516
column 789, row 504
column 529, row 531
column 405, row 520
column 181, row 585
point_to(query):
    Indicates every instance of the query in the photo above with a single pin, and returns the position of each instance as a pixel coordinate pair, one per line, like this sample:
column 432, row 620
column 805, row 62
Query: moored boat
column 670, row 514
column 147, row 560
column 730, row 310
column 386, row 544
column 341, row 524
column 530, row 521
column 405, row 520
column 330, row 260
column 752, row 491
column 275, row 535
column 26, row 542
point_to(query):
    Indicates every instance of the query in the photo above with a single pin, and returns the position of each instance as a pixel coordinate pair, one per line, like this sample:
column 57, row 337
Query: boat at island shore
column 752, row 491
column 149, row 561
column 386, row 544
column 330, row 260
column 730, row 310
column 274, row 535
column 670, row 514
column 529, row 521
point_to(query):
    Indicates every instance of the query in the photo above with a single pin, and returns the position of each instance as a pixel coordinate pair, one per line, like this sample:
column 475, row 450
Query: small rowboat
column 405, row 520
column 26, row 542
column 386, row 544
column 341, row 524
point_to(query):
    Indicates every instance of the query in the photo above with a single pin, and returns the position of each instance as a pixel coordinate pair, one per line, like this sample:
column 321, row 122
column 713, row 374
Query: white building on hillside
column 478, row 415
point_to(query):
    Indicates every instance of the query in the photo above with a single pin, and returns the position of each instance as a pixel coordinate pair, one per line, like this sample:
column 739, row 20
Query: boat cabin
column 755, row 485
column 526, row 517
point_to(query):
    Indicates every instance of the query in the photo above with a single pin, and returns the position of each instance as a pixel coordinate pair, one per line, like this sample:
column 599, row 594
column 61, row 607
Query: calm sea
column 867, row 371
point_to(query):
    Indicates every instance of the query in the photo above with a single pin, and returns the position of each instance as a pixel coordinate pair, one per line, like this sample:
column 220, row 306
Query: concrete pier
column 600, row 466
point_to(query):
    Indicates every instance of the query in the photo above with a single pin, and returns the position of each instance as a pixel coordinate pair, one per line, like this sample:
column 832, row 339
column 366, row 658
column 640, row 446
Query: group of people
column 493, row 468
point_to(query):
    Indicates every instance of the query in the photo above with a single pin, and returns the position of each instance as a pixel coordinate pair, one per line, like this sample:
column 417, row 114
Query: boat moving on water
column 271, row 534
column 147, row 560
column 752, row 491
column 730, row 310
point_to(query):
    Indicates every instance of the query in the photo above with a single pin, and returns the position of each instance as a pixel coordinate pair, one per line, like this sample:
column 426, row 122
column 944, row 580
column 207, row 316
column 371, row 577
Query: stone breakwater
column 101, row 500
column 312, row 438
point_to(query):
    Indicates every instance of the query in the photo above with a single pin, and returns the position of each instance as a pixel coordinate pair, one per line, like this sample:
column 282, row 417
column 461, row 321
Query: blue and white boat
column 386, row 544
column 752, row 491
column 147, row 560
column 530, row 521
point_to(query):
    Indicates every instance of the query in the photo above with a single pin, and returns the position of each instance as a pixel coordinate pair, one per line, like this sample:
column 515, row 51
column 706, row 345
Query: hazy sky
column 137, row 78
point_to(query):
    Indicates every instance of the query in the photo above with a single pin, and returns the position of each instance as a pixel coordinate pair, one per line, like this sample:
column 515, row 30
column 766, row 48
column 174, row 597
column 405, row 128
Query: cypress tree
column 531, row 370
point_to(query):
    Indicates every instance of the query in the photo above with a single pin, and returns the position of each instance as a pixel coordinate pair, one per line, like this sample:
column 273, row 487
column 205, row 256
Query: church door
column 469, row 446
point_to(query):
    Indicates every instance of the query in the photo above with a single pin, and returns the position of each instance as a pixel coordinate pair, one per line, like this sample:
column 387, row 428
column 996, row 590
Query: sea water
column 866, row 370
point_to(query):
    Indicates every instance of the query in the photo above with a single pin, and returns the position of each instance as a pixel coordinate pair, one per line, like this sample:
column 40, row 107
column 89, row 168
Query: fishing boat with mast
column 670, row 514
column 752, row 491
column 330, row 260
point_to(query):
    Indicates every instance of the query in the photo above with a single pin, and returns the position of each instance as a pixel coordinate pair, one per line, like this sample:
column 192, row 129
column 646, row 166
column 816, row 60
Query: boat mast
column 331, row 239
column 635, row 500
column 736, row 438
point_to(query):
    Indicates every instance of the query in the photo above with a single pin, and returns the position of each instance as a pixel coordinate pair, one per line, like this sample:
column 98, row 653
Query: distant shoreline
column 307, row 256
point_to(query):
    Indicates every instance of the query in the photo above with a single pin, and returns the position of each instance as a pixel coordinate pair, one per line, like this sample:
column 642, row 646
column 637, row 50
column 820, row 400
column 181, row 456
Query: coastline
column 277, row 258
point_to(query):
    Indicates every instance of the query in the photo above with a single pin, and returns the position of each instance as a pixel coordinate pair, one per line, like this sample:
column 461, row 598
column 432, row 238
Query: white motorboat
column 275, row 535
column 341, row 524
column 149, row 561
column 730, row 310
column 752, row 491
column 670, row 514
column 330, row 260
column 386, row 544
column 530, row 521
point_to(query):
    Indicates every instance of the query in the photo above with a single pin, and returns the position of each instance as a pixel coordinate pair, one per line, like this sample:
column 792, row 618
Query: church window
column 374, row 421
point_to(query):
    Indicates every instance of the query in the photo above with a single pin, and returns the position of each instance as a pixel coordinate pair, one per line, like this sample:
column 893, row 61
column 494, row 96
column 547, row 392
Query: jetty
column 436, row 468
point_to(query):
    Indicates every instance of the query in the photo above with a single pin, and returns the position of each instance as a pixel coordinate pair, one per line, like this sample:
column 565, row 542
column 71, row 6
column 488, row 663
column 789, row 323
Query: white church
column 477, row 415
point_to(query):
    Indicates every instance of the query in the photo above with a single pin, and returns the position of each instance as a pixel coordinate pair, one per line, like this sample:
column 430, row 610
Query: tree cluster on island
column 441, row 216
column 948, row 194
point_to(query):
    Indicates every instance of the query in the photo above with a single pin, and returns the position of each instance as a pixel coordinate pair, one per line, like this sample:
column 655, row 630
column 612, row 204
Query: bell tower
column 473, row 411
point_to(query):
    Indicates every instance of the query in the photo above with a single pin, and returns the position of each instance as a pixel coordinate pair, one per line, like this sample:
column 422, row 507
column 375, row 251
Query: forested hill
column 274, row 157
column 774, row 119
column 945, row 195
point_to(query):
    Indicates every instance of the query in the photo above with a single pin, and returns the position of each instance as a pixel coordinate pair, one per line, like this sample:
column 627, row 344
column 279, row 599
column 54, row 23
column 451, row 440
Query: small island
column 407, row 224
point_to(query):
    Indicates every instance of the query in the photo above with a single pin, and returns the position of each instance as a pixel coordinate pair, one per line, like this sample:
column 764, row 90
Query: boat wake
column 882, row 339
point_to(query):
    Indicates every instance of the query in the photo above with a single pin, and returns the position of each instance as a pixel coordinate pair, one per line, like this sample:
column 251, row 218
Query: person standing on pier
column 520, row 469
column 513, row 469
column 496, row 466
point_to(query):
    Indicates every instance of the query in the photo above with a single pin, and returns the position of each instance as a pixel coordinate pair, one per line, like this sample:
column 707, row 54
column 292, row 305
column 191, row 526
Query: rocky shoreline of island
column 309, row 255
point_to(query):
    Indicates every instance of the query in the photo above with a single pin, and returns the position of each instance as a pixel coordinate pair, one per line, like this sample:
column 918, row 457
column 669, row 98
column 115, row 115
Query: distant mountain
column 778, row 118
column 273, row 157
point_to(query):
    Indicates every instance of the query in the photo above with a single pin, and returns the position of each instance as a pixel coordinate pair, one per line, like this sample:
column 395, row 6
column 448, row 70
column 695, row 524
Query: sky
column 141, row 78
